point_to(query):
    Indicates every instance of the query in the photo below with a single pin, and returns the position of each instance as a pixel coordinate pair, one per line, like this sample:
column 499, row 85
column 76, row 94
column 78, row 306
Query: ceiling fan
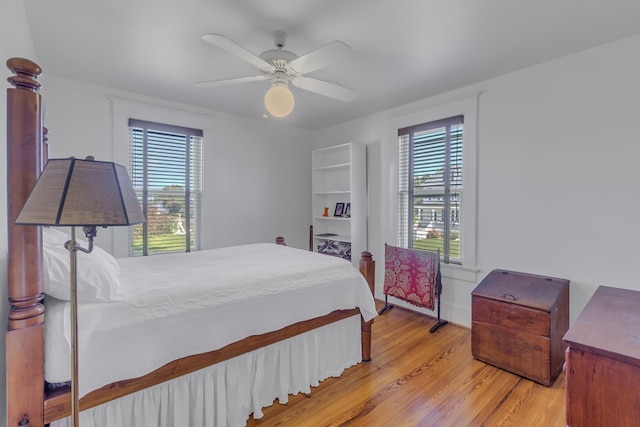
column 281, row 66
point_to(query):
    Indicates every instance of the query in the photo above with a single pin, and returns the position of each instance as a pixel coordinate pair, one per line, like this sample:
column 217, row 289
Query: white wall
column 257, row 180
column 15, row 41
column 560, row 141
column 557, row 175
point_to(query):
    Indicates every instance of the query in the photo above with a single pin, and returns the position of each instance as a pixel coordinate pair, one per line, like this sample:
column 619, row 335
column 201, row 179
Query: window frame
column 430, row 111
column 122, row 110
column 192, row 152
column 442, row 189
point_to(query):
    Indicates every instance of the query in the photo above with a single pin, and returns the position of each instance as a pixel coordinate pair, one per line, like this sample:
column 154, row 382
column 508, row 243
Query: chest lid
column 608, row 325
column 524, row 289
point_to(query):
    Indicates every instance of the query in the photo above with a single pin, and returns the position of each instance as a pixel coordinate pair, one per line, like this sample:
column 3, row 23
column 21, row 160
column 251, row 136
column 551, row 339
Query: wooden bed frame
column 28, row 404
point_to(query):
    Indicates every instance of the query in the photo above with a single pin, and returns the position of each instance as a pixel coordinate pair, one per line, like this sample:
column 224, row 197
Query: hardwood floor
column 422, row 379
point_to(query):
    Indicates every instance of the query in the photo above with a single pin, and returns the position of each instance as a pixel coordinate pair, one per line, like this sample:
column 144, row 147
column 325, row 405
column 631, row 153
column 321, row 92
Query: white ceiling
column 405, row 50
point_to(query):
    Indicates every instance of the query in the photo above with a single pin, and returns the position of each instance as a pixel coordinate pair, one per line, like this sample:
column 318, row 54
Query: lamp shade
column 279, row 100
column 73, row 192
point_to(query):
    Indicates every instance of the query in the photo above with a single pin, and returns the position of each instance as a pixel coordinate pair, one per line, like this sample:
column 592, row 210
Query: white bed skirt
column 225, row 394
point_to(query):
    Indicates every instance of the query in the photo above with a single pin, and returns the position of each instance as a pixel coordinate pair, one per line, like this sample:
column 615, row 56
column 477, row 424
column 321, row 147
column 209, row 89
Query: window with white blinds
column 430, row 187
column 166, row 171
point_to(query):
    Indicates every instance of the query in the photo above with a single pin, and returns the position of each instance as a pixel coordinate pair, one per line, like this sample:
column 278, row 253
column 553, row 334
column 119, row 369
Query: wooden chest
column 603, row 361
column 518, row 321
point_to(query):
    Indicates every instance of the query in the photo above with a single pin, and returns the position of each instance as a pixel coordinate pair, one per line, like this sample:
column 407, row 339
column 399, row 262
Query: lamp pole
column 75, row 402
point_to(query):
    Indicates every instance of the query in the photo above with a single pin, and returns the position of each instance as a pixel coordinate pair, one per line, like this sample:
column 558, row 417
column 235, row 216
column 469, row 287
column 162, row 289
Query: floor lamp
column 87, row 194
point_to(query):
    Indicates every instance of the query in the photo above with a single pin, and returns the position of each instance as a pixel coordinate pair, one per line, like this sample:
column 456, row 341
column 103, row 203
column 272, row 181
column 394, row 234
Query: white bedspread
column 184, row 304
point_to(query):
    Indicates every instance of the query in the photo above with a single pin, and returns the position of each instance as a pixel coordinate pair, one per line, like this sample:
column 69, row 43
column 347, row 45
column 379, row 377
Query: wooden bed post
column 368, row 270
column 25, row 329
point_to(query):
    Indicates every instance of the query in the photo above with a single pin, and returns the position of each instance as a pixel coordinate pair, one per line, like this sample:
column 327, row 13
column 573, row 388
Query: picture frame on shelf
column 347, row 210
column 339, row 209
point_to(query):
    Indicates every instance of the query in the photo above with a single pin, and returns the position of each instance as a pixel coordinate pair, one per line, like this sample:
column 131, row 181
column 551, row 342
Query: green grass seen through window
column 160, row 243
column 434, row 243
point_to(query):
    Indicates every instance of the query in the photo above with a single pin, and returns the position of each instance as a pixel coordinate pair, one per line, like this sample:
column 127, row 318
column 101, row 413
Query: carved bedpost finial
column 366, row 256
column 26, row 72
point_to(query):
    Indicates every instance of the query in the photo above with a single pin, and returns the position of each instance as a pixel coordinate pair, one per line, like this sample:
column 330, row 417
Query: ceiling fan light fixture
column 281, row 67
column 279, row 100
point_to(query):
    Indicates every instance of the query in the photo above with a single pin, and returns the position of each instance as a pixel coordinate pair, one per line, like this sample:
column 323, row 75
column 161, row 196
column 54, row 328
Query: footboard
column 58, row 404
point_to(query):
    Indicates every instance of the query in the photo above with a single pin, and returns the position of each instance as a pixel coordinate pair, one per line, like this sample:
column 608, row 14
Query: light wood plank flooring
column 422, row 379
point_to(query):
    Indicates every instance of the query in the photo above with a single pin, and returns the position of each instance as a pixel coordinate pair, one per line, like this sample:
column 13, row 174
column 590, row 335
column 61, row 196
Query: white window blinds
column 166, row 172
column 430, row 187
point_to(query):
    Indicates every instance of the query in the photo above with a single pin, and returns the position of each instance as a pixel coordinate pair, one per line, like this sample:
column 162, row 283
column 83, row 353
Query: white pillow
column 98, row 273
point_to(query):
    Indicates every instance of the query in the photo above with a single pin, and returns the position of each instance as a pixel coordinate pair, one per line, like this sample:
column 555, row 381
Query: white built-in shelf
column 332, row 218
column 339, row 176
column 333, row 167
column 338, row 192
column 334, row 238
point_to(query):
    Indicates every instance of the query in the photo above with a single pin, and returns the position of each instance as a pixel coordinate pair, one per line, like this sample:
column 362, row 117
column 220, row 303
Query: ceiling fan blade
column 223, row 82
column 325, row 88
column 235, row 49
column 326, row 55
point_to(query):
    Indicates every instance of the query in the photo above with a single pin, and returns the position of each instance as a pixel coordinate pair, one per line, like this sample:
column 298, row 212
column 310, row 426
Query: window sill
column 459, row 272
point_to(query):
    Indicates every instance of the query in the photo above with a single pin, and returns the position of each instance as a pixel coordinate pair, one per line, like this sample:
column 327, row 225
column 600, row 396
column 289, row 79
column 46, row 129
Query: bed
column 286, row 354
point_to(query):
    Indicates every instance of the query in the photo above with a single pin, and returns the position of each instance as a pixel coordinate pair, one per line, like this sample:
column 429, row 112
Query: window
column 430, row 187
column 167, row 176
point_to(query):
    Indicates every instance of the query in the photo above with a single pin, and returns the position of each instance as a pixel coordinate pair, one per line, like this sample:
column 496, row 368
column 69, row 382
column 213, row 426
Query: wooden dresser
column 518, row 321
column 603, row 361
